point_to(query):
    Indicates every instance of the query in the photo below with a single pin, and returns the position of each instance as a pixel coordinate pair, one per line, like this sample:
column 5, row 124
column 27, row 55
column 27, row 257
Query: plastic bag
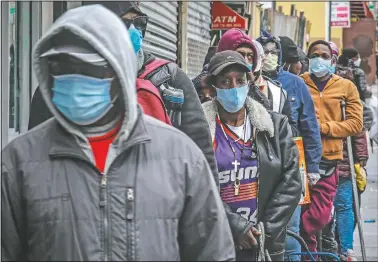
column 361, row 179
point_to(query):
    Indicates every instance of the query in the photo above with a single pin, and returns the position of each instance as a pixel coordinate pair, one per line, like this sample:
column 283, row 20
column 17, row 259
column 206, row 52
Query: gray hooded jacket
column 158, row 202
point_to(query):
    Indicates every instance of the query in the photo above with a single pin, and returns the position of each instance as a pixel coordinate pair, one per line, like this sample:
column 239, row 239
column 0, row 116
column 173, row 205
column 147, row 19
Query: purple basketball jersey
column 245, row 203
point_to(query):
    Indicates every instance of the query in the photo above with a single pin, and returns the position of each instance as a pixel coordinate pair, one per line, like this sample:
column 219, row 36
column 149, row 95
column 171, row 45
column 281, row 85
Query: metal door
column 161, row 33
column 199, row 35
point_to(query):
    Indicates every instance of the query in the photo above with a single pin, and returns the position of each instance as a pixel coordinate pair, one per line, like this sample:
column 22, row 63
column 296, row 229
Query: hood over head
column 289, row 50
column 260, row 55
column 107, row 35
column 233, row 39
column 335, row 49
column 266, row 38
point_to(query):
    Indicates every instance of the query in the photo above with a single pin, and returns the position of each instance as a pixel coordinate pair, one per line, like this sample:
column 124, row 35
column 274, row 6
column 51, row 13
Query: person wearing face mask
column 271, row 89
column 303, row 112
column 350, row 57
column 344, row 214
column 167, row 76
column 268, row 92
column 328, row 91
column 302, row 106
column 235, row 40
column 101, row 181
column 256, row 157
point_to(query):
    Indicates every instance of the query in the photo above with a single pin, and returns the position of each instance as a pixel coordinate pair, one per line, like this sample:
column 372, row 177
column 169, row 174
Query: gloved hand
column 313, row 178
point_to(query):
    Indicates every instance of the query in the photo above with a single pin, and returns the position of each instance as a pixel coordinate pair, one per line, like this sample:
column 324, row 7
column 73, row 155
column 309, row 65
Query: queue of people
column 122, row 162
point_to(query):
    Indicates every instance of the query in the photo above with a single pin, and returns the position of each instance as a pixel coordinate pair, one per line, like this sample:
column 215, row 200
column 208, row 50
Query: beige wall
column 316, row 13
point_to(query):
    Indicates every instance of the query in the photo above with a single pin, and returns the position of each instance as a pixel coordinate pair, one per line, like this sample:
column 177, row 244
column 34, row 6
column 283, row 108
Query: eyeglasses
column 140, row 22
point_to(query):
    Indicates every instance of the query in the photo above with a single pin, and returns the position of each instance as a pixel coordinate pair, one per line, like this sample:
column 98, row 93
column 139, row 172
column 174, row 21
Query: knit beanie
column 350, row 52
column 289, row 50
column 235, row 38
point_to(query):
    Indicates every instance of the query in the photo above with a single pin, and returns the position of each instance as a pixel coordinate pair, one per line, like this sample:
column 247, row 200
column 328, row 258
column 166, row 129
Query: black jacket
column 360, row 82
column 193, row 122
column 279, row 186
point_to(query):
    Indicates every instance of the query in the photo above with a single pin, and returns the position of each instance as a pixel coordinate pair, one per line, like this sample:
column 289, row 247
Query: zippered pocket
column 130, row 202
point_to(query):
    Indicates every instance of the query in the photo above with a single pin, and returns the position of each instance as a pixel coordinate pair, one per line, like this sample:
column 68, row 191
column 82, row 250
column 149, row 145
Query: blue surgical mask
column 332, row 69
column 250, row 67
column 233, row 99
column 136, row 37
column 82, row 99
column 319, row 66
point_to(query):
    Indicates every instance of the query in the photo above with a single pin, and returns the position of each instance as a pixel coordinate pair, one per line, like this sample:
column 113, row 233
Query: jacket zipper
column 104, row 213
column 320, row 106
column 104, row 200
column 258, row 179
column 129, row 223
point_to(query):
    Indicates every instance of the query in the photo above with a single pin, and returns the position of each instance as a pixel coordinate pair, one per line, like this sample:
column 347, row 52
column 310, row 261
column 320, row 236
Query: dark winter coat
column 279, row 186
column 361, row 84
column 360, row 153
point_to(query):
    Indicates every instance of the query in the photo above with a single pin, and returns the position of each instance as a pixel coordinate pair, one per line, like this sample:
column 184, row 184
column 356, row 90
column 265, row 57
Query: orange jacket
column 328, row 112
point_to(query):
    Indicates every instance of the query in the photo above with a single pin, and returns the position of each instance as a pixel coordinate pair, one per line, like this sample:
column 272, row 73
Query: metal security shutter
column 161, row 33
column 199, row 21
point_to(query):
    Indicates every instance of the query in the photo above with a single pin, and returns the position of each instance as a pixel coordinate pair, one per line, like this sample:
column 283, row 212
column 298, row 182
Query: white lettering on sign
column 225, row 19
column 231, row 19
column 243, row 173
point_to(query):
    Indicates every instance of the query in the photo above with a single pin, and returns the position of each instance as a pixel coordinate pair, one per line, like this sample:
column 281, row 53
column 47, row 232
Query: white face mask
column 270, row 63
column 357, row 62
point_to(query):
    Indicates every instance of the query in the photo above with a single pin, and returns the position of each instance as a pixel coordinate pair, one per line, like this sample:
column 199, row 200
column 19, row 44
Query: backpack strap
column 150, row 67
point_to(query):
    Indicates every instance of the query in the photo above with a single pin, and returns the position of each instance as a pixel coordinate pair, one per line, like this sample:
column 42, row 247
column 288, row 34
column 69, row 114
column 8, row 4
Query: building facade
column 177, row 31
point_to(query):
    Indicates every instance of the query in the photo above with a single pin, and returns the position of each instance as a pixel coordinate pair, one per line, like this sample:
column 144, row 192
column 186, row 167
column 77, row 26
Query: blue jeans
column 344, row 214
column 293, row 245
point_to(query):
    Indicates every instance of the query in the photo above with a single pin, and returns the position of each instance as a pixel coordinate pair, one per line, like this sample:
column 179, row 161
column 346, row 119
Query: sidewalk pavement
column 369, row 211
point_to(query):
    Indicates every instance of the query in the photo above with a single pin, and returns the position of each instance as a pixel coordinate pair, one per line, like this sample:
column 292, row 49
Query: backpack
column 148, row 95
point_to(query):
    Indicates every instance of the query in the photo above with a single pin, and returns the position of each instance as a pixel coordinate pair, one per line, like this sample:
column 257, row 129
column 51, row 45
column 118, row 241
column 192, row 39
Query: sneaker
column 349, row 256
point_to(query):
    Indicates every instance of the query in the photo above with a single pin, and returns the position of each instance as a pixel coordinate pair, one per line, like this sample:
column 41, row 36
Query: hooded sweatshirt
column 112, row 48
column 329, row 114
column 233, row 39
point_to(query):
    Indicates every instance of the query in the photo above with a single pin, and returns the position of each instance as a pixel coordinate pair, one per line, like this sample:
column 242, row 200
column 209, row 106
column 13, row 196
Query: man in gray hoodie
column 192, row 122
column 101, row 180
